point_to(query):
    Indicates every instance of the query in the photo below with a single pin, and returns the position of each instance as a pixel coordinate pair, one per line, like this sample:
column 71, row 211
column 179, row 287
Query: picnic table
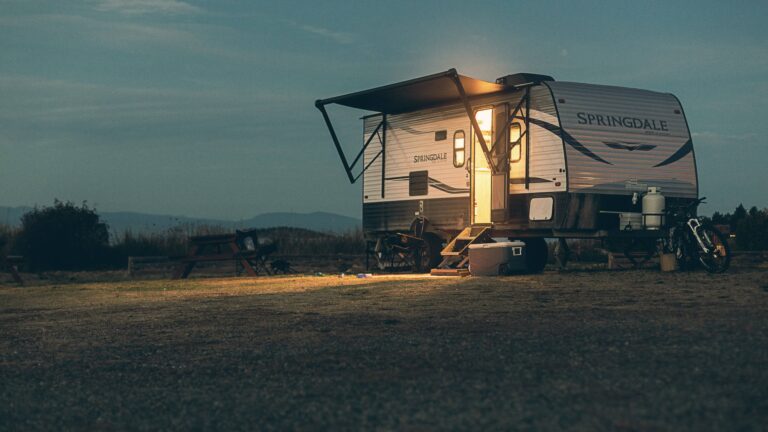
column 240, row 247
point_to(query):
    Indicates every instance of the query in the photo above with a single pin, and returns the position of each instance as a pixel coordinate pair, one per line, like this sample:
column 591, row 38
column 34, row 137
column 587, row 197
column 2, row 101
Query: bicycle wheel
column 427, row 256
column 717, row 257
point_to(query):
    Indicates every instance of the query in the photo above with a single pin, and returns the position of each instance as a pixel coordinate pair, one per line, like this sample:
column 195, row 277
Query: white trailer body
column 555, row 158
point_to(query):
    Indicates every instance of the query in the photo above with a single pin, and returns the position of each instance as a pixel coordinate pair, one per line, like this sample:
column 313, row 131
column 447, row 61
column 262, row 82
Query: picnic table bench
column 239, row 247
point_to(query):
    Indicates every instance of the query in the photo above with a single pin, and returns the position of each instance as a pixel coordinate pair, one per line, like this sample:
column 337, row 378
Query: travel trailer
column 448, row 160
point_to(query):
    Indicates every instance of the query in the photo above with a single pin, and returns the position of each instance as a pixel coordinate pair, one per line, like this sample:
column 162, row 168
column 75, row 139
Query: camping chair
column 258, row 258
column 12, row 263
column 256, row 254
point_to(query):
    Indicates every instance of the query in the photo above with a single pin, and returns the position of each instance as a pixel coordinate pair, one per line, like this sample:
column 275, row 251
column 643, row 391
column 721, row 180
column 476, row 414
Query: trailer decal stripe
column 570, row 140
column 446, row 188
column 437, row 184
column 521, row 180
column 679, row 154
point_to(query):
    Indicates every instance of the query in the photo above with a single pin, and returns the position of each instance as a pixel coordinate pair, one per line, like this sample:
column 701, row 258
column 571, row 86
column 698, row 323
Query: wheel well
column 421, row 226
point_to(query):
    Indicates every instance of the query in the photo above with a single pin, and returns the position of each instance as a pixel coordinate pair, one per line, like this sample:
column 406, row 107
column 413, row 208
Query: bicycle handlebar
column 687, row 208
column 697, row 202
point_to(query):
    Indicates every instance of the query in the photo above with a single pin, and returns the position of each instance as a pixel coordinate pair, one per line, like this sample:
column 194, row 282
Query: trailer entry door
column 481, row 171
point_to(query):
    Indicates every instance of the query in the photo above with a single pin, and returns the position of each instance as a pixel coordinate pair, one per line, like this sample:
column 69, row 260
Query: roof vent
column 521, row 79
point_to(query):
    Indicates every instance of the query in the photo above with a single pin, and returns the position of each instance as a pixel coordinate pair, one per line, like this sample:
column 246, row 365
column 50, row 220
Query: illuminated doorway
column 481, row 171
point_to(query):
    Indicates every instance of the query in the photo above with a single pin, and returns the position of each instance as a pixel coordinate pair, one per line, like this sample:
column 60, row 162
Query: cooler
column 493, row 259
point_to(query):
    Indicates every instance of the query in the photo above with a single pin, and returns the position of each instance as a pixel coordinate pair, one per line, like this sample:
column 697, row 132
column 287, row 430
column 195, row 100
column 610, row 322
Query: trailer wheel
column 428, row 255
column 536, row 254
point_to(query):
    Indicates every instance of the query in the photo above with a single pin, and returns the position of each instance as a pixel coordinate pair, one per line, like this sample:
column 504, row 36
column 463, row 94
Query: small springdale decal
column 432, row 157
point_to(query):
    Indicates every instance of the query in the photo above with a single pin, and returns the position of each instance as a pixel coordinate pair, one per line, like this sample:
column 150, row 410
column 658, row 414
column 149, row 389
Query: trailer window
column 514, row 142
column 459, row 150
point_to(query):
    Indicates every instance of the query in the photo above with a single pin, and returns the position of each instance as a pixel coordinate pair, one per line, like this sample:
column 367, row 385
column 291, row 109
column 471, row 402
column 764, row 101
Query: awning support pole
column 335, row 139
column 383, row 153
column 347, row 166
column 527, row 136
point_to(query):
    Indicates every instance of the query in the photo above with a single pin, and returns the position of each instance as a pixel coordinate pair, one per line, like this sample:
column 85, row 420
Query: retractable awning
column 412, row 95
column 419, row 93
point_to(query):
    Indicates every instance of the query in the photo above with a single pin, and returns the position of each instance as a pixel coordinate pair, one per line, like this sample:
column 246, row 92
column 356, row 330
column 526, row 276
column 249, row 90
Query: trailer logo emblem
column 608, row 120
column 629, row 146
column 432, row 157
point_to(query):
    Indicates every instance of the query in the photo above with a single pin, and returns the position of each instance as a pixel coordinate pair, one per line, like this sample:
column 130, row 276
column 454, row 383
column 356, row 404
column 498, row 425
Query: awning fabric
column 415, row 94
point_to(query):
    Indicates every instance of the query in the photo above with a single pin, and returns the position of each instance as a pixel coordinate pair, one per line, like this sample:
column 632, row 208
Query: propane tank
column 653, row 208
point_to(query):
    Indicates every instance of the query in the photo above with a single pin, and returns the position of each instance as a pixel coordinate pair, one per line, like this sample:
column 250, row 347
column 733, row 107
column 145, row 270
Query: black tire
column 428, row 256
column 536, row 254
column 719, row 258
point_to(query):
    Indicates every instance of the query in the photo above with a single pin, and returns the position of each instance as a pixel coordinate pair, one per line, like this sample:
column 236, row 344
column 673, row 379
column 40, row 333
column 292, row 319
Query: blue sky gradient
column 205, row 108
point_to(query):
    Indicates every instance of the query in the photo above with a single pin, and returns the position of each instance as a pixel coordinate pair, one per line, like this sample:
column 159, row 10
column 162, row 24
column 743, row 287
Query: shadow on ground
column 633, row 350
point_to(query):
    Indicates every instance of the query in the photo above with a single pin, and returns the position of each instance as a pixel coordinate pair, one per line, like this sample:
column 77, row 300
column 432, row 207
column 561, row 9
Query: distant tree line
column 749, row 226
column 66, row 236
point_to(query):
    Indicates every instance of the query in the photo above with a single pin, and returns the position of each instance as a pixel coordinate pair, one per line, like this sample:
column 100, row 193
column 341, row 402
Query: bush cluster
column 63, row 237
column 749, row 226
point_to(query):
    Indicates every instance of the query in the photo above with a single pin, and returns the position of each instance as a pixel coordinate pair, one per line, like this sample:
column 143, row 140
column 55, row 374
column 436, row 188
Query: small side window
column 459, row 150
column 515, row 143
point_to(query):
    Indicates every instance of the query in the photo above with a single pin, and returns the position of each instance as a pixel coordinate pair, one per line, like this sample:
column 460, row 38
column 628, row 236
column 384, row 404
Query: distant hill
column 148, row 223
column 317, row 221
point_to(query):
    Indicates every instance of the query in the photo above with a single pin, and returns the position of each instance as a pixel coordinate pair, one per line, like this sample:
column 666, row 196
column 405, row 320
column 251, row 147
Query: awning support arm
column 369, row 164
column 465, row 101
column 500, row 132
column 527, row 137
column 335, row 139
column 368, row 141
column 347, row 166
column 383, row 153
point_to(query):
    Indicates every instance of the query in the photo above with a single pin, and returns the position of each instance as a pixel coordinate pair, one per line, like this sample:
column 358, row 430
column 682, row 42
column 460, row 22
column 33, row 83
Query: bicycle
column 693, row 240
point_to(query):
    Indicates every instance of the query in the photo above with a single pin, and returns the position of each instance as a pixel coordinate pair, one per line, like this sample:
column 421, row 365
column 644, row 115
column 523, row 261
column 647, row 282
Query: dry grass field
column 585, row 350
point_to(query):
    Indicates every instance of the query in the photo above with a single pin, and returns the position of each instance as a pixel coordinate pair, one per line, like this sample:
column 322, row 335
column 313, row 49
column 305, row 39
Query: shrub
column 7, row 239
column 752, row 230
column 63, row 237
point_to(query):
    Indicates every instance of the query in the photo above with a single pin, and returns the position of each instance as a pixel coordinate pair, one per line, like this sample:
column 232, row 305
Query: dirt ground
column 584, row 350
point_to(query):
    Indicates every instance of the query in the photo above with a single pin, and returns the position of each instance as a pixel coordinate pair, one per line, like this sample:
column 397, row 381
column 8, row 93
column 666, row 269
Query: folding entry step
column 456, row 252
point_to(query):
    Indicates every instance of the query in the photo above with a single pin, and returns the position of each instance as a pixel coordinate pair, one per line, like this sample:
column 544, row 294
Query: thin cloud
column 717, row 137
column 85, row 114
column 142, row 7
column 338, row 37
